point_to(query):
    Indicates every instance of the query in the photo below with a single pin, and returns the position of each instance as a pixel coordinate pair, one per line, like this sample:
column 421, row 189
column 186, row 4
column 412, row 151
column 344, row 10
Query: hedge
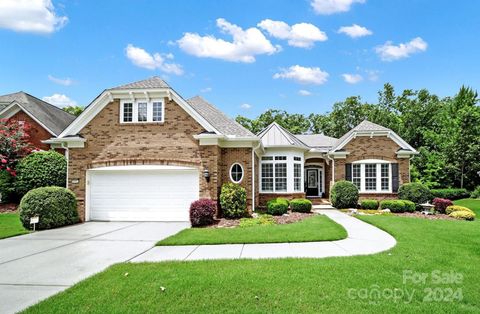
column 6, row 187
column 398, row 206
column 301, row 205
column 451, row 194
column 464, row 215
column 277, row 206
column 55, row 207
column 369, row 204
column 344, row 194
column 457, row 208
column 415, row 192
column 233, row 200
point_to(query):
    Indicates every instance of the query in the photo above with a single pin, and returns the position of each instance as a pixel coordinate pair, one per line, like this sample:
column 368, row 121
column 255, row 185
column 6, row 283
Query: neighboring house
column 45, row 120
column 141, row 152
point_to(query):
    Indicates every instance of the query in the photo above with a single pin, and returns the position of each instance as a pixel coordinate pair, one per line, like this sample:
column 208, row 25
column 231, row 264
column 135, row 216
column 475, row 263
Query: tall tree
column 75, row 110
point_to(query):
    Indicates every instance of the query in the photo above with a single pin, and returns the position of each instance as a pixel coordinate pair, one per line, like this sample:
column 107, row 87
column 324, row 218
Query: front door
column 312, row 188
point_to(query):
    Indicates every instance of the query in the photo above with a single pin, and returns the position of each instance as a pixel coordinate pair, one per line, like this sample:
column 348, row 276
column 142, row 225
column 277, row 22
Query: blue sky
column 286, row 54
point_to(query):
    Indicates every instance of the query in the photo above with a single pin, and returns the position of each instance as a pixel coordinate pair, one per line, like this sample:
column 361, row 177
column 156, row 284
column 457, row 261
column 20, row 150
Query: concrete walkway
column 362, row 239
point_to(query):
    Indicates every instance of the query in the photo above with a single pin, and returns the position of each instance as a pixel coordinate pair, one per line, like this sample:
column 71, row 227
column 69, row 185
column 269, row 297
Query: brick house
column 45, row 120
column 141, row 152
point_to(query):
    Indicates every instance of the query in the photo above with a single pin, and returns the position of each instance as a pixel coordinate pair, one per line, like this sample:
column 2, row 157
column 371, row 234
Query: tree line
column 445, row 131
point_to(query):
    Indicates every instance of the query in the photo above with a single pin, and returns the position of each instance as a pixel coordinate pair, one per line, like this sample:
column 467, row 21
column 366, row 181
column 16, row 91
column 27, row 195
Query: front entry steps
column 317, row 208
column 319, row 200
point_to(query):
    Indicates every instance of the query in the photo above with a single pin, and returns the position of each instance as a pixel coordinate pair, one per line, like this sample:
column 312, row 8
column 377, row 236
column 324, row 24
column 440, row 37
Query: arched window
column 236, row 173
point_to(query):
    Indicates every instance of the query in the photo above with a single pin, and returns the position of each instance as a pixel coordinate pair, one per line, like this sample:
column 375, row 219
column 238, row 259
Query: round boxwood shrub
column 55, row 206
column 202, row 212
column 233, row 201
column 398, row 206
column 344, row 194
column 415, row 192
column 369, row 204
column 277, row 207
column 301, row 205
column 41, row 169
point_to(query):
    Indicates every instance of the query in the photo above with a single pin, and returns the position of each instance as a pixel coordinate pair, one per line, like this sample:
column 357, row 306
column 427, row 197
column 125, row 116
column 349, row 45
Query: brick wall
column 110, row 143
column 366, row 147
column 37, row 132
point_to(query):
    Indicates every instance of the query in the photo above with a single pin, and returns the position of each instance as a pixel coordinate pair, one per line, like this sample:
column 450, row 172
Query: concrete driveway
column 38, row 265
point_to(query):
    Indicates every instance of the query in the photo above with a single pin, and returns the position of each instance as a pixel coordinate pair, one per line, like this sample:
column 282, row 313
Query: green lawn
column 473, row 204
column 316, row 228
column 10, row 226
column 334, row 285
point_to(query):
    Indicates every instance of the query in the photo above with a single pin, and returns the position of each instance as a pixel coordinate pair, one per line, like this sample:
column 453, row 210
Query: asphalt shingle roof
column 54, row 118
column 152, row 82
column 364, row 126
column 218, row 119
column 317, row 140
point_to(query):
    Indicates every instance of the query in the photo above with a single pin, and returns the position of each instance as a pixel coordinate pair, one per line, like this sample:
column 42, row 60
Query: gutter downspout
column 253, row 174
column 67, row 157
column 333, row 172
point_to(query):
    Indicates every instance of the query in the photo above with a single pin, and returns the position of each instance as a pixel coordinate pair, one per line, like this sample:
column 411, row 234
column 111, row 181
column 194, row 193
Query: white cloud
column 245, row 46
column 246, row 106
column 65, row 82
column 355, row 31
column 372, row 75
column 390, row 52
column 352, row 78
column 143, row 59
column 304, row 92
column 34, row 16
column 206, row 90
column 302, row 35
column 60, row 100
column 327, row 7
column 303, row 75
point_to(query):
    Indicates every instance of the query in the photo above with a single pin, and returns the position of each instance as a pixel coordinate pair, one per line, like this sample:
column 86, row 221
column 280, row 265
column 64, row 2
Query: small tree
column 14, row 144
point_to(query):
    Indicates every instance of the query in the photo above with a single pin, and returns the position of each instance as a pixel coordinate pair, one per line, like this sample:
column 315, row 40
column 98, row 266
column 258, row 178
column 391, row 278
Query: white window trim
column 378, row 163
column 135, row 110
column 230, row 173
column 290, row 172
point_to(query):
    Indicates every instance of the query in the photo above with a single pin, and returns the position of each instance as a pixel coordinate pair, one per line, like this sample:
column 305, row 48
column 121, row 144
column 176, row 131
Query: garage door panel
column 147, row 195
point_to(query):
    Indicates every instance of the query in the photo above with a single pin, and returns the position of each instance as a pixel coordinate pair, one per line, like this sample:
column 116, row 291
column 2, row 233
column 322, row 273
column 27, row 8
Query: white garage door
column 142, row 193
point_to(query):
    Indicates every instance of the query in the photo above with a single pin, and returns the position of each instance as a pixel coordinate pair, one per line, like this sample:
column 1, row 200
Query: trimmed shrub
column 415, row 192
column 476, row 192
column 202, row 212
column 277, row 207
column 6, row 187
column 55, row 206
column 451, row 194
column 464, row 215
column 441, row 204
column 369, row 204
column 457, row 208
column 301, row 205
column 233, row 201
column 398, row 206
column 41, row 169
column 344, row 194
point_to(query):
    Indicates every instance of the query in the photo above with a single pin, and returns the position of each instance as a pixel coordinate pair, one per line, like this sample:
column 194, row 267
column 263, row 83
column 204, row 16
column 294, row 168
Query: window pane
column 297, row 177
column 127, row 112
column 267, row 177
column 280, row 157
column 385, row 172
column 370, row 177
column 356, row 175
column 267, row 158
column 297, row 158
column 142, row 111
column 281, row 177
column 236, row 173
column 157, row 111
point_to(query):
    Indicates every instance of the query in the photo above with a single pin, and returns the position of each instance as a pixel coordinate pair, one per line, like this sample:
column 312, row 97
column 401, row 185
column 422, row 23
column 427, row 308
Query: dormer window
column 142, row 111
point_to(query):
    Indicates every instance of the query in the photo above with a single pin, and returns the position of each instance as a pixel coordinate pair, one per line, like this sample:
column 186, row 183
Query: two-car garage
column 141, row 193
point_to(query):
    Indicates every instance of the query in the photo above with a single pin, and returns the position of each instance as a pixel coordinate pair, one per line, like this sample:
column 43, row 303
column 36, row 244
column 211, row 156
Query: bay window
column 282, row 173
column 372, row 176
column 142, row 111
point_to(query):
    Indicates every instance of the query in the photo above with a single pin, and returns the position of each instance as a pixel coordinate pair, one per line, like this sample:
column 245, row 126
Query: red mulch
column 288, row 218
column 8, row 208
column 430, row 217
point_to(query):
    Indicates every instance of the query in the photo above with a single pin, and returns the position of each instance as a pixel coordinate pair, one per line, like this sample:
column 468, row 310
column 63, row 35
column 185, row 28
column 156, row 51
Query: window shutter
column 348, row 172
column 394, row 178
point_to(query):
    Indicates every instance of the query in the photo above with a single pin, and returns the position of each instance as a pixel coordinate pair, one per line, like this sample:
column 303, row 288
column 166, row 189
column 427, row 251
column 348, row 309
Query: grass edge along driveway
column 10, row 225
column 315, row 228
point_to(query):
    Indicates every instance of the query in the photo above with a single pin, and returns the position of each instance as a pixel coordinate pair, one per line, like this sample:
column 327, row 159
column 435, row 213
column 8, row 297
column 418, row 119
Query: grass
column 473, row 204
column 331, row 285
column 10, row 225
column 316, row 228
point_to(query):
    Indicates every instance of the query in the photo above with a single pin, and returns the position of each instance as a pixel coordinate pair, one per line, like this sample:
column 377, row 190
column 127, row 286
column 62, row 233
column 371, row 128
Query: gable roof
column 218, row 119
column 151, row 82
column 369, row 127
column 318, row 141
column 275, row 135
column 54, row 119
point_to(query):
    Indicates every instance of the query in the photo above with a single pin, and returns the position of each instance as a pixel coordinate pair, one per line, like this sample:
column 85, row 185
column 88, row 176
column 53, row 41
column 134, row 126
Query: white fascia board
column 143, row 168
column 288, row 147
column 108, row 95
column 390, row 134
column 15, row 107
column 338, row 155
column 68, row 142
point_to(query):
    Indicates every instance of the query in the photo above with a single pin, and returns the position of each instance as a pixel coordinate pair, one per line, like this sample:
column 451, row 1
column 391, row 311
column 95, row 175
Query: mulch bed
column 8, row 208
column 430, row 217
column 288, row 218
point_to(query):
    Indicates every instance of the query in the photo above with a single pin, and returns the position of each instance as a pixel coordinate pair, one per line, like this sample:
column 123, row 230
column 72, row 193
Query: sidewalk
column 362, row 239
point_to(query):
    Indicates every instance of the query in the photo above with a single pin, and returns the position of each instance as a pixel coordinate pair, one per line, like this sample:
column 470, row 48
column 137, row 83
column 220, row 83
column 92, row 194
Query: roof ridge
column 49, row 104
